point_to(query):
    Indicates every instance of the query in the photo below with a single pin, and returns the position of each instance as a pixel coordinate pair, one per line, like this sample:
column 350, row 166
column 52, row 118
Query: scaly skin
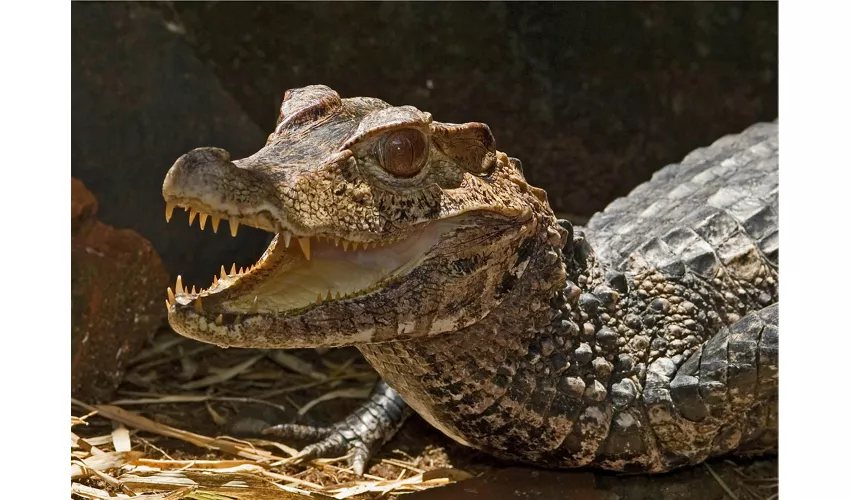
column 644, row 342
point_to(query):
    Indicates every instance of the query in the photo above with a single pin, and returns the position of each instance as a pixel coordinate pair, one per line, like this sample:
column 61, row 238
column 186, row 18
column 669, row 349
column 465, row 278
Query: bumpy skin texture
column 646, row 341
column 318, row 175
column 661, row 349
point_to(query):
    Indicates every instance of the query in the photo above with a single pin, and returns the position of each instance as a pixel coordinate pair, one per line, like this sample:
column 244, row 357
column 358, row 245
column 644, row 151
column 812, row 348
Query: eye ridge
column 403, row 152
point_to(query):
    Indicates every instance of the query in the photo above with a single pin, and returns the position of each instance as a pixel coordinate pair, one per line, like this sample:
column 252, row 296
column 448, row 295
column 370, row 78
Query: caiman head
column 387, row 225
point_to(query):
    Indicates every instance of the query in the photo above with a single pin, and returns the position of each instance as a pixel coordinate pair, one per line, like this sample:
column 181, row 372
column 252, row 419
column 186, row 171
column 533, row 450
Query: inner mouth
column 300, row 271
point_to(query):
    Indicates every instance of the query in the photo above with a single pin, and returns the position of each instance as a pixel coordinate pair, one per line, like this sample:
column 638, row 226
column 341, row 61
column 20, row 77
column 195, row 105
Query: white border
column 814, row 95
column 814, row 131
column 36, row 261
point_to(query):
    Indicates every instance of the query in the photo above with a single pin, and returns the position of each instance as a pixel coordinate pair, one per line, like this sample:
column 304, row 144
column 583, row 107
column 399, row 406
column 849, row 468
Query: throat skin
column 491, row 384
column 552, row 376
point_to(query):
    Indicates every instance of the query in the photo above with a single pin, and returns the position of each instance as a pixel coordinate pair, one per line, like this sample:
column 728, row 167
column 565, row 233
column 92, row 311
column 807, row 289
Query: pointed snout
column 207, row 177
column 197, row 171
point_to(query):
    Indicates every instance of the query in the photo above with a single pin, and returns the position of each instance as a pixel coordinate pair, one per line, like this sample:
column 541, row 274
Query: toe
column 297, row 431
column 359, row 458
column 334, row 445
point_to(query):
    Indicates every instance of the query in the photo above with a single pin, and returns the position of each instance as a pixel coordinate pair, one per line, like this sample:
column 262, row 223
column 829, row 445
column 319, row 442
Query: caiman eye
column 403, row 153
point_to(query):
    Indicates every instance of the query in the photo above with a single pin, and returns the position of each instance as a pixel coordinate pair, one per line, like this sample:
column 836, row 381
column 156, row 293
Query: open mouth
column 300, row 271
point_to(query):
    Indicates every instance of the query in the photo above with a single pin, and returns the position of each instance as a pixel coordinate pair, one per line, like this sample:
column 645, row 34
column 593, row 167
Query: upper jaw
column 211, row 187
column 259, row 218
column 207, row 183
column 285, row 280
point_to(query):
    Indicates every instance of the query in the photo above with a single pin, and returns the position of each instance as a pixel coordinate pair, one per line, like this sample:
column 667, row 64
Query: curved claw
column 359, row 435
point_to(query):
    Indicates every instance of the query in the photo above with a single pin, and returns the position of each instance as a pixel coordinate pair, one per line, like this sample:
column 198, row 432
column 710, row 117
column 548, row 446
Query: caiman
column 645, row 341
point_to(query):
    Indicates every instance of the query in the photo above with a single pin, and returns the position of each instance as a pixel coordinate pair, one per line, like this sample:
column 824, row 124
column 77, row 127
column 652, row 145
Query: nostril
column 204, row 156
column 199, row 161
column 183, row 175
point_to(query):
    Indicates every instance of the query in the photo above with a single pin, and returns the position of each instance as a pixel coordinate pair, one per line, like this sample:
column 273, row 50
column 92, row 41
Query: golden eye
column 403, row 153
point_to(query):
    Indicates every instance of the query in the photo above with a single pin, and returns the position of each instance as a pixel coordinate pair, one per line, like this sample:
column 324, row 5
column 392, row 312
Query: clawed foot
column 362, row 432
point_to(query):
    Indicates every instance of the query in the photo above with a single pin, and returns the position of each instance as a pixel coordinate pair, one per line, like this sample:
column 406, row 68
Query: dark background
column 592, row 97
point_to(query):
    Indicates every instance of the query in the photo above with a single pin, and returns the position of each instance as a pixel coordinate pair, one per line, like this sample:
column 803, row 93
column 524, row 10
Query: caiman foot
column 362, row 433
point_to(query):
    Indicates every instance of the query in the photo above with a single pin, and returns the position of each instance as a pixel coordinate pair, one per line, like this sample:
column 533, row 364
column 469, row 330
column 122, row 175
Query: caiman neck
column 552, row 313
column 565, row 290
column 590, row 291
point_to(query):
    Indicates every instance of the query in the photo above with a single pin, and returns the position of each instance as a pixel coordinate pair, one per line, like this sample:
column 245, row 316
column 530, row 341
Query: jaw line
column 285, row 282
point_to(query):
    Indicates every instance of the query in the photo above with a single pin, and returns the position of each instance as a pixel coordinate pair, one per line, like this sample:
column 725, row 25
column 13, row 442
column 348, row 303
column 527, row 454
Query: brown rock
column 117, row 283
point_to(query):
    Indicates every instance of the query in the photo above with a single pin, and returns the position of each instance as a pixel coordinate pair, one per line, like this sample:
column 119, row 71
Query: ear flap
column 470, row 145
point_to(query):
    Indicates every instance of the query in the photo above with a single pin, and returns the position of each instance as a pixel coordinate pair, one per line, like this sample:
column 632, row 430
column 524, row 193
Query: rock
column 140, row 99
column 117, row 284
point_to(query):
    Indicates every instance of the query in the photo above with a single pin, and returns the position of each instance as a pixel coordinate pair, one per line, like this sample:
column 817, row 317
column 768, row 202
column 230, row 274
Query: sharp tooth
column 255, row 307
column 336, row 242
column 203, row 220
column 329, row 296
column 193, row 290
column 215, row 279
column 319, row 299
column 287, row 237
column 199, row 308
column 354, row 245
column 167, row 304
column 192, row 214
column 215, row 220
column 219, row 320
column 171, row 298
column 169, row 211
column 179, row 285
column 234, row 227
column 305, row 247
column 241, row 270
column 233, row 269
column 344, row 245
column 337, row 295
column 223, row 273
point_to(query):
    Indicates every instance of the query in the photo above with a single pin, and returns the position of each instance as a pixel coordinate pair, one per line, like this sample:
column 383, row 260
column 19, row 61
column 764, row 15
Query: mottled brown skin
column 516, row 333
column 317, row 175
